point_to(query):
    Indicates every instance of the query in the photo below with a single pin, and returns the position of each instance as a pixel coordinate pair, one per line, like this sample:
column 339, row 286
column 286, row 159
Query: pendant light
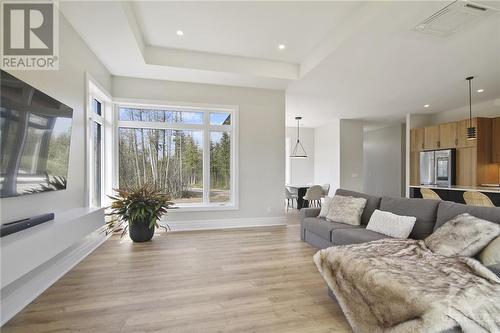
column 298, row 151
column 471, row 130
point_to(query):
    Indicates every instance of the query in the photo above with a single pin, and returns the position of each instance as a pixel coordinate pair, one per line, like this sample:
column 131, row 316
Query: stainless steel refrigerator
column 437, row 167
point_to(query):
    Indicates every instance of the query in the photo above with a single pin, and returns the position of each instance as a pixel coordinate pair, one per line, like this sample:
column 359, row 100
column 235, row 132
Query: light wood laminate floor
column 239, row 280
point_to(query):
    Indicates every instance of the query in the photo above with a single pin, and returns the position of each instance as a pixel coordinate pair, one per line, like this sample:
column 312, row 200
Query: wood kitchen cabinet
column 448, row 135
column 495, row 151
column 462, row 133
column 466, row 166
column 417, row 139
column 415, row 168
column 431, row 137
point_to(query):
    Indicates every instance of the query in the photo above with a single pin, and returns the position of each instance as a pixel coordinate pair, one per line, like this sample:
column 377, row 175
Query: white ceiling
column 343, row 59
column 247, row 29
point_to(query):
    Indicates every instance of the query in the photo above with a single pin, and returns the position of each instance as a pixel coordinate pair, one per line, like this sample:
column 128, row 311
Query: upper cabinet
column 448, row 135
column 431, row 137
column 495, row 152
column 417, row 139
column 462, row 133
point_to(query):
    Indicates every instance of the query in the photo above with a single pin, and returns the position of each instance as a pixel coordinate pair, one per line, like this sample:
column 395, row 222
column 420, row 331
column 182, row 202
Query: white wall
column 351, row 154
column 261, row 140
column 327, row 155
column 37, row 246
column 68, row 86
column 384, row 161
column 300, row 170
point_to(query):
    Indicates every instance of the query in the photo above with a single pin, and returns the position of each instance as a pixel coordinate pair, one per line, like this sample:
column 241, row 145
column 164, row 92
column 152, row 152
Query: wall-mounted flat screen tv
column 35, row 139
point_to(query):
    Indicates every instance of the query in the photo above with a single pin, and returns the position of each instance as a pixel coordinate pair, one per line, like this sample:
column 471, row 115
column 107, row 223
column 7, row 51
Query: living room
column 146, row 149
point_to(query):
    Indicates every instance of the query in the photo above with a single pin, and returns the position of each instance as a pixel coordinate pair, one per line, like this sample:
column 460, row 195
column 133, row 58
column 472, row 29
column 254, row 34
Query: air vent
column 454, row 17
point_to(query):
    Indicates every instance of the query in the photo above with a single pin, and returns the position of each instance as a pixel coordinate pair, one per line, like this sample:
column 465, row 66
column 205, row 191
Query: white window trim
column 95, row 91
column 206, row 127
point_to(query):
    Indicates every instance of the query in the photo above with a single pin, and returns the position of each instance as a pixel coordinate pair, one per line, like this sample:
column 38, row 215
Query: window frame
column 206, row 129
column 105, row 120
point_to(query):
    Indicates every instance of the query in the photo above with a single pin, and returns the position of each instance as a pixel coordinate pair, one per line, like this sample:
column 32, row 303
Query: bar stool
column 473, row 198
column 427, row 193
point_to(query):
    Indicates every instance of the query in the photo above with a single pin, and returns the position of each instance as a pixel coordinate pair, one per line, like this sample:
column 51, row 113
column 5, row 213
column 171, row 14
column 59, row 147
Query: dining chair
column 290, row 197
column 326, row 190
column 314, row 195
column 477, row 199
column 427, row 193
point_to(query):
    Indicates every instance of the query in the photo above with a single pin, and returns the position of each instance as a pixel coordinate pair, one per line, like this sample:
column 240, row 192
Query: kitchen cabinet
column 448, row 135
column 466, row 166
column 415, row 168
column 431, row 137
column 462, row 133
column 495, row 151
column 417, row 139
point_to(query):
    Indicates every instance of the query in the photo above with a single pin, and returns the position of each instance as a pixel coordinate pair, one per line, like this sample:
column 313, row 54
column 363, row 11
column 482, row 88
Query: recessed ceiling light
column 426, row 105
column 480, row 90
column 180, row 33
column 282, row 46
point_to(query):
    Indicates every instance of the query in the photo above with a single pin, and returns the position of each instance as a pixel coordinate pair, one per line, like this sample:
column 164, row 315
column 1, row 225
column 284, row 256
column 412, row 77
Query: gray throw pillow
column 346, row 210
column 465, row 235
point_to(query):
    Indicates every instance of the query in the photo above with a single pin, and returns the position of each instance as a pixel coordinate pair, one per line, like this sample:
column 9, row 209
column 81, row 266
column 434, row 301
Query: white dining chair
column 314, row 195
column 326, row 189
column 290, row 197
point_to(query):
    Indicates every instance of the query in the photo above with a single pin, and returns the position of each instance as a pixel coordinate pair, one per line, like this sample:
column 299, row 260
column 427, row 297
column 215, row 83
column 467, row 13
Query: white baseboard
column 18, row 294
column 226, row 223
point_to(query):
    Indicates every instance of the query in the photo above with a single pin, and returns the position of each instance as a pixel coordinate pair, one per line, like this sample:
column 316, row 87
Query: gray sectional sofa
column 430, row 214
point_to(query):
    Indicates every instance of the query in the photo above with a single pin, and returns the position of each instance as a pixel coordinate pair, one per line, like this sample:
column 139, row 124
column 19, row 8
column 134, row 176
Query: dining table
column 300, row 190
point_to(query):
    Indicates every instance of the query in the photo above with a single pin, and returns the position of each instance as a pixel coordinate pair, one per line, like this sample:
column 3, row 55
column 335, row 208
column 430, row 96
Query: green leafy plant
column 139, row 204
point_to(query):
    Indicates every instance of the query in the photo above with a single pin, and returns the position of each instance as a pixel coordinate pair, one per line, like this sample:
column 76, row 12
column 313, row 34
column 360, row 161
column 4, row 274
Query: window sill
column 203, row 208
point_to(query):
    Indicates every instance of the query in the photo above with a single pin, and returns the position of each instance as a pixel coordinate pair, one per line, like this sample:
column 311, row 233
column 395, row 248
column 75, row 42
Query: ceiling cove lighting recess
column 480, row 90
column 180, row 33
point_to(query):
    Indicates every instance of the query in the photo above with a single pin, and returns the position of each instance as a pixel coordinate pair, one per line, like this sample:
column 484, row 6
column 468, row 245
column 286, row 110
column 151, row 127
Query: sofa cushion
column 448, row 210
column 354, row 236
column 372, row 203
column 424, row 210
column 322, row 227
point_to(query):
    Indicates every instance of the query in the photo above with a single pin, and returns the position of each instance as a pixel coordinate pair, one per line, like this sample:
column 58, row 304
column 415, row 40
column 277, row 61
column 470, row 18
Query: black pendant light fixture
column 471, row 130
column 298, row 151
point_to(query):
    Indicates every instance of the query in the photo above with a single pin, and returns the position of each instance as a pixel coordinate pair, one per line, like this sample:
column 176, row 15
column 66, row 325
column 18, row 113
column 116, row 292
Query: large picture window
column 187, row 151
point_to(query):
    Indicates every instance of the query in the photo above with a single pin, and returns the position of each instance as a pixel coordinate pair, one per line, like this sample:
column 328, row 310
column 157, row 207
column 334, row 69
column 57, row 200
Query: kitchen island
column 455, row 193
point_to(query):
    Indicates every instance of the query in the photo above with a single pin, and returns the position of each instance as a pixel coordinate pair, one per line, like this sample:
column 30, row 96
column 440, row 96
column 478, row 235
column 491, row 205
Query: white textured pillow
column 464, row 235
column 325, row 206
column 491, row 254
column 390, row 224
column 346, row 210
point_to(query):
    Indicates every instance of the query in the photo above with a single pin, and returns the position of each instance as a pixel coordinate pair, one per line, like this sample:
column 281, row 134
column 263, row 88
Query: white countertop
column 461, row 188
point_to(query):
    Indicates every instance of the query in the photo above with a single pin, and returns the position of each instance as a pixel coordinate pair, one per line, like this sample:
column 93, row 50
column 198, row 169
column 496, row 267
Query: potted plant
column 140, row 208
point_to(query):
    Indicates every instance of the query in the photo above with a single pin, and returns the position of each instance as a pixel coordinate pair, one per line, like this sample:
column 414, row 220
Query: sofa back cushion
column 448, row 210
column 372, row 203
column 424, row 210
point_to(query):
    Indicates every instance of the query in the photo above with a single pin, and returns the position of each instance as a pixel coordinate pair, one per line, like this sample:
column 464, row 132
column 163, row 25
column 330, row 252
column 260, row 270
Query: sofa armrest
column 309, row 212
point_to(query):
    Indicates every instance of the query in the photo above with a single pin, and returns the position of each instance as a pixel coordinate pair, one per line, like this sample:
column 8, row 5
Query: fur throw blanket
column 399, row 285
